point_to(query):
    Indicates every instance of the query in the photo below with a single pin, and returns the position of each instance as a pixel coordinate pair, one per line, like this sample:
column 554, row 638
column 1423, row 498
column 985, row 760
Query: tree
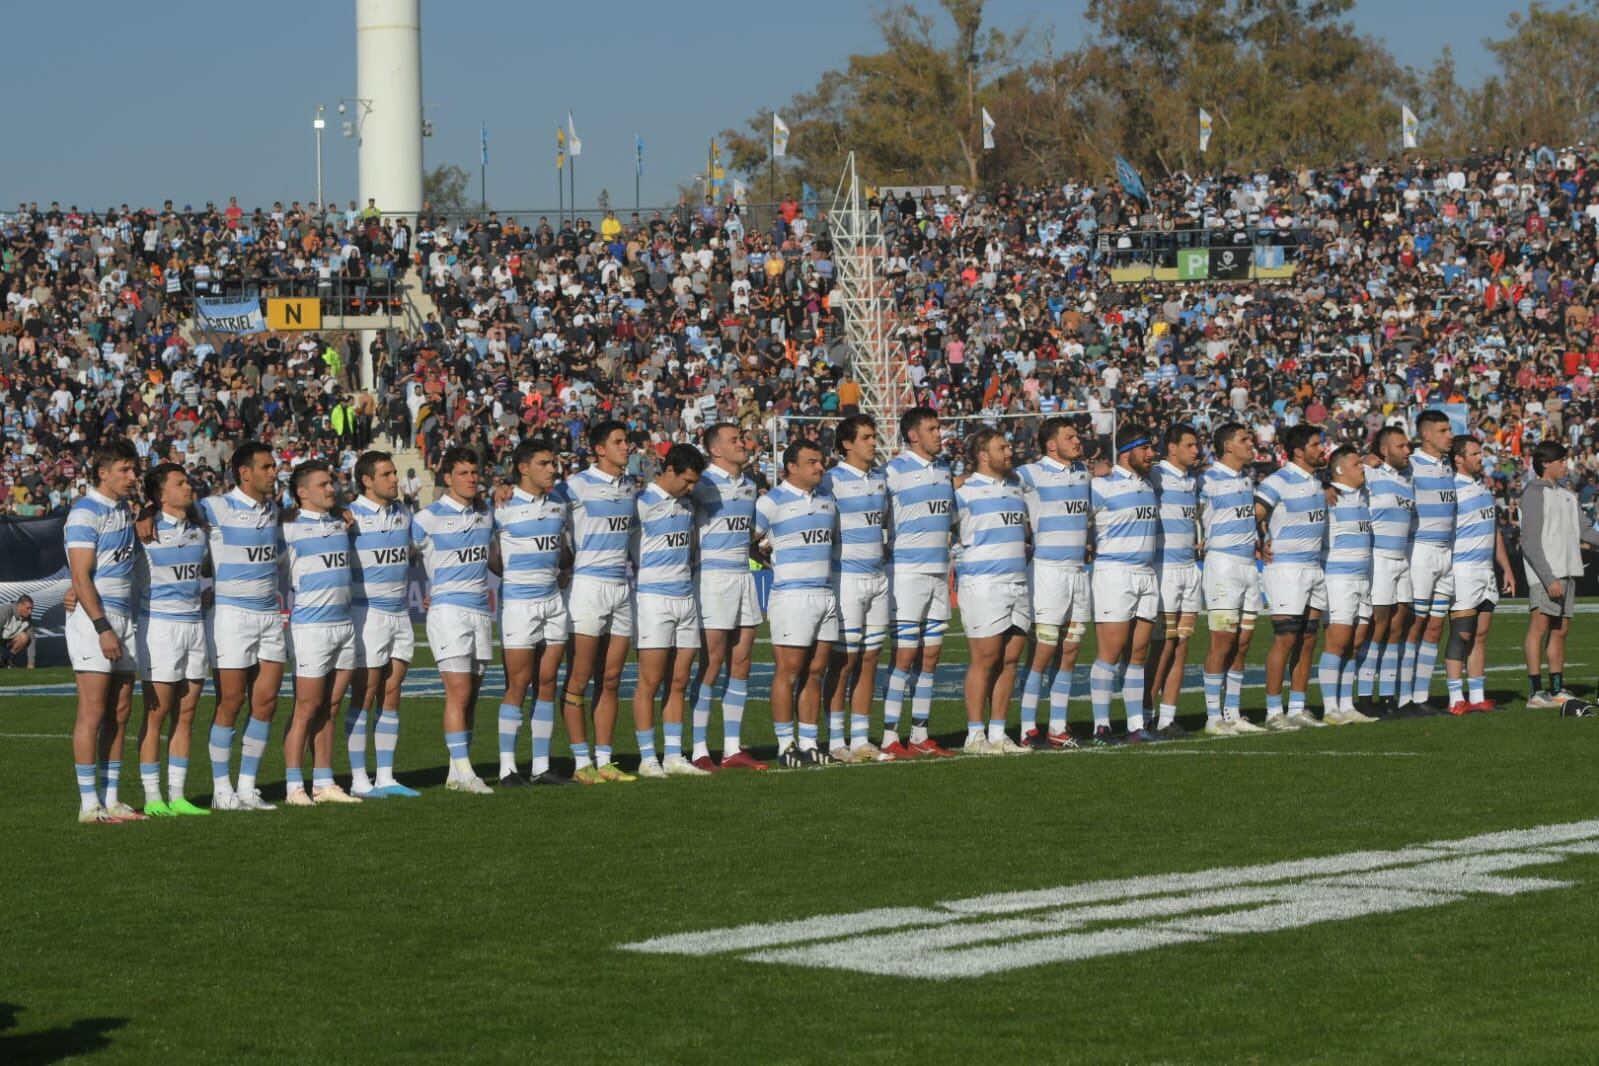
column 1549, row 76
column 445, row 187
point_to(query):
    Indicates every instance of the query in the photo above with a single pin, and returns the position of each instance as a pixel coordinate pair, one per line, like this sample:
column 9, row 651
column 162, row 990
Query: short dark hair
column 1343, row 451
column 681, row 458
column 850, row 428
column 244, row 456
column 114, row 450
column 979, row 440
column 712, row 431
column 156, row 480
column 913, row 418
column 791, row 454
column 1051, row 426
column 1457, row 447
column 1546, row 452
column 1299, row 435
column 602, row 429
column 302, row 474
column 1177, row 431
column 24, row 598
column 1431, row 417
column 526, row 449
column 1382, row 437
column 1224, row 434
column 367, row 466
column 454, row 456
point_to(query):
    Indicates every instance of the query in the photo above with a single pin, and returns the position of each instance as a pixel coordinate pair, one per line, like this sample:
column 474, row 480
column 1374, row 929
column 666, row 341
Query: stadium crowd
column 1467, row 281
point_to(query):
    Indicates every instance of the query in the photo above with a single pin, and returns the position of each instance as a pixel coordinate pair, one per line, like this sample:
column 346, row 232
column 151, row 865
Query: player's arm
column 1503, row 558
column 496, row 560
column 1263, row 528
column 760, row 530
column 81, row 561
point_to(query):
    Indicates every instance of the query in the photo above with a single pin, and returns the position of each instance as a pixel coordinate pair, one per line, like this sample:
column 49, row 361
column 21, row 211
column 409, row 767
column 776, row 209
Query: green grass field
column 467, row 929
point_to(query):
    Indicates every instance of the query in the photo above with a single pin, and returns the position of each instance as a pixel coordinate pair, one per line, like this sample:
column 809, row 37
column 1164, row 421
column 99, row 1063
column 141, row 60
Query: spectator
column 16, row 633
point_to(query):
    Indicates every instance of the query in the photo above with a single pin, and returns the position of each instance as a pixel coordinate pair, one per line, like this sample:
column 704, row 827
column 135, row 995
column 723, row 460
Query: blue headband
column 1137, row 442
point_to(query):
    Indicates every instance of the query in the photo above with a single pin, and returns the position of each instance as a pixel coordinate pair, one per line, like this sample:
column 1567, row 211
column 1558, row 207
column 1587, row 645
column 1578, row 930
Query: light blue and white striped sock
column 1478, row 688
column 835, row 730
column 355, row 741
column 1366, row 668
column 1060, row 698
column 785, row 735
column 893, row 705
column 1426, row 662
column 510, row 723
column 177, row 777
column 150, row 778
column 113, row 776
column 1274, row 705
column 88, row 797
column 808, row 734
column 674, row 739
column 1297, row 701
column 256, row 734
column 921, row 706
column 1457, row 690
column 1348, row 683
column 860, row 730
column 1233, row 697
column 219, row 746
column 602, row 755
column 1032, row 689
column 646, row 744
column 1213, row 694
column 733, row 714
column 702, row 720
column 580, row 754
column 1388, row 669
column 1329, row 671
column 543, row 728
column 1133, row 696
column 996, row 729
column 459, row 750
column 1101, row 689
column 293, row 779
column 1407, row 671
column 321, row 777
column 385, row 738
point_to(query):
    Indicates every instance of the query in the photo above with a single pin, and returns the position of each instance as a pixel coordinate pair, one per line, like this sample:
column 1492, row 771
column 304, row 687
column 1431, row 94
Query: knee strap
column 1285, row 626
column 1311, row 627
column 1462, row 634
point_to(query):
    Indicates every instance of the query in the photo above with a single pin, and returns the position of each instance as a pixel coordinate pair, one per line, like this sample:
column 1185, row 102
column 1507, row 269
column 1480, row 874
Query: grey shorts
column 1538, row 598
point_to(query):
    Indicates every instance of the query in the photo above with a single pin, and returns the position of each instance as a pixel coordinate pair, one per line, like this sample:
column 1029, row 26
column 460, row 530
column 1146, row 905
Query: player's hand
column 1332, row 496
column 111, row 646
column 427, row 603
column 1510, row 584
column 502, row 494
column 1265, row 551
column 208, row 598
column 1556, row 589
column 144, row 525
column 70, row 602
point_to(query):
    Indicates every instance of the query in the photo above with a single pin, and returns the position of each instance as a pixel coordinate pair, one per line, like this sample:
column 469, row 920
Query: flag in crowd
column 1131, row 182
column 1408, row 126
column 572, row 138
column 779, row 136
column 483, row 138
column 1204, row 130
column 560, row 148
column 638, row 154
column 988, row 131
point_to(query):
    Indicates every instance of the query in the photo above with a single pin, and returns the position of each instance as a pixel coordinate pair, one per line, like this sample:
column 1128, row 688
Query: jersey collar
column 918, row 460
column 1166, row 464
column 100, row 497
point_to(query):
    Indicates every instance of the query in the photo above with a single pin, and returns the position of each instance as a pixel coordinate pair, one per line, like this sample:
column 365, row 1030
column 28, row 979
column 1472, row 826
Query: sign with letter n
column 291, row 313
column 1193, row 264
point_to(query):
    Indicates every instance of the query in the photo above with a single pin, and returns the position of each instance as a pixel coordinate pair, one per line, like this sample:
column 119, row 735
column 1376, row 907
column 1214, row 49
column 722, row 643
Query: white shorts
column 1122, row 594
column 529, row 623
column 728, row 600
column 1062, row 597
column 991, row 608
column 666, row 622
column 800, row 619
column 319, row 650
column 919, row 604
column 456, row 633
column 241, row 639
column 381, row 638
column 1179, row 590
column 1432, row 579
column 1231, row 584
column 1474, row 586
column 1348, row 600
column 171, row 651
column 596, row 608
column 83, row 644
column 863, row 610
column 1292, row 590
column 1390, row 581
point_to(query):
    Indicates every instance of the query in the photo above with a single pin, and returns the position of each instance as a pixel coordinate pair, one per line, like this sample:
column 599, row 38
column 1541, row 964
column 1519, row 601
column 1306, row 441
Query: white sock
column 177, row 778
column 461, row 770
column 1168, row 715
column 996, row 730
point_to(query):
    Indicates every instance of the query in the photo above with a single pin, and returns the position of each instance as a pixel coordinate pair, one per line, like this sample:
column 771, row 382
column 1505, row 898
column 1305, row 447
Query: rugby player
column 921, row 500
column 1291, row 516
column 1347, row 564
column 1552, row 532
column 1393, row 517
column 730, row 609
column 1432, row 583
column 380, row 540
column 799, row 523
column 996, row 608
column 321, row 631
column 1231, row 583
column 1177, row 572
column 599, row 601
column 1056, row 491
column 245, row 628
column 1478, row 544
column 531, row 526
column 173, row 658
column 667, row 622
column 859, row 492
column 453, row 534
column 1126, row 593
column 100, row 630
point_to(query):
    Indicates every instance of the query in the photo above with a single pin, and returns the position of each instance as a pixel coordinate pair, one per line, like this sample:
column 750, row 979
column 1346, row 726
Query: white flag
column 741, row 191
column 1408, row 125
column 988, row 130
column 779, row 137
column 574, row 147
column 1204, row 130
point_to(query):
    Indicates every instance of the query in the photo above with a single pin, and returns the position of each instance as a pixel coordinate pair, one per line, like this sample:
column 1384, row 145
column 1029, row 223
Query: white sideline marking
column 1289, row 754
column 1012, row 930
column 35, row 736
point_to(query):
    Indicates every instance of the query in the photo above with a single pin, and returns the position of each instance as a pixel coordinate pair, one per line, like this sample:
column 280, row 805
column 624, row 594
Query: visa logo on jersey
column 261, row 553
column 549, row 543
column 1012, row 518
column 816, row 536
column 618, row 525
column 186, row 572
column 334, row 560
column 677, row 540
column 938, row 506
column 390, row 556
column 475, row 554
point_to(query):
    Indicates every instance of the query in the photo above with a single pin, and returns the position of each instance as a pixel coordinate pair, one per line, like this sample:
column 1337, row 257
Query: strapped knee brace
column 1287, row 626
column 1462, row 634
column 1246, row 622
column 1311, row 627
column 1225, row 621
column 1049, row 636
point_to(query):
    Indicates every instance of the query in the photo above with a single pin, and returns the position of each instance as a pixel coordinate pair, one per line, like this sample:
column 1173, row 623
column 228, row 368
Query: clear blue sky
column 202, row 100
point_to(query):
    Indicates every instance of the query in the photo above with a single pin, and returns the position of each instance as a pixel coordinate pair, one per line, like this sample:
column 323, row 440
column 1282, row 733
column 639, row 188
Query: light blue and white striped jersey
column 454, row 539
column 530, row 530
column 1124, row 510
column 1227, row 512
column 1434, row 480
column 1393, row 511
column 991, row 519
column 603, row 517
column 381, row 537
column 802, row 526
column 246, row 543
column 921, row 500
column 1297, row 525
column 1475, row 523
column 1349, row 535
column 1177, row 496
column 104, row 525
column 319, row 568
column 663, row 544
column 861, row 498
column 170, row 571
column 724, row 513
column 1057, row 496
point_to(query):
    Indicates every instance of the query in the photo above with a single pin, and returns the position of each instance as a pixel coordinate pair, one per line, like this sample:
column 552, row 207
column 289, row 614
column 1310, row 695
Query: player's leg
column 741, row 654
column 1330, row 669
column 1358, row 677
column 680, row 676
column 844, row 662
column 583, row 652
column 179, row 745
column 1041, row 656
column 910, row 598
column 927, row 670
column 114, row 734
column 160, row 705
column 1477, row 663
column 94, row 701
column 265, row 679
column 1171, row 681
column 653, row 664
column 1302, row 657
column 1540, row 628
column 1012, row 643
column 1136, row 655
column 789, row 664
column 310, row 698
column 386, row 735
column 1059, row 733
column 325, row 727
column 1556, row 655
column 613, row 659
column 457, row 672
column 809, row 710
column 1286, row 631
column 519, row 662
column 1233, row 699
column 549, row 667
column 980, row 674
column 1112, row 639
column 365, row 685
column 232, row 688
column 713, row 656
column 1462, row 634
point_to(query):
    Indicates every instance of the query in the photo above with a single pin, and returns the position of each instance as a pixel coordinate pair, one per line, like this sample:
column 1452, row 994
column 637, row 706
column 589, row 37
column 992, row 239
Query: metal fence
column 1159, row 248
column 340, row 297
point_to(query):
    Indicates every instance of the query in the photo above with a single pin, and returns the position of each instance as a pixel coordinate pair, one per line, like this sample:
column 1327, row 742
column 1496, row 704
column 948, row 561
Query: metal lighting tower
column 865, row 300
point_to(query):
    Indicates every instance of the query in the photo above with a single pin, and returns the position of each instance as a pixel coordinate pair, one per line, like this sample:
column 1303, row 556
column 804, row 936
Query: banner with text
column 229, row 316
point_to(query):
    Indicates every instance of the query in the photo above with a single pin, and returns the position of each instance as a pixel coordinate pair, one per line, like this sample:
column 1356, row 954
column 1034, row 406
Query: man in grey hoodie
column 1552, row 535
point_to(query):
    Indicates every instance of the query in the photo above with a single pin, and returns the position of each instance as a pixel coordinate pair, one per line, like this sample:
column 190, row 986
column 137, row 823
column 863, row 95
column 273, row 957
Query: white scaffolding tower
column 864, row 298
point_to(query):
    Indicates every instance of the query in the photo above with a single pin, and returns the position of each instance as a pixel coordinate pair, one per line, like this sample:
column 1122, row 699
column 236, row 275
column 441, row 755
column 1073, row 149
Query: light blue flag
column 638, row 154
column 1132, row 184
column 483, row 133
